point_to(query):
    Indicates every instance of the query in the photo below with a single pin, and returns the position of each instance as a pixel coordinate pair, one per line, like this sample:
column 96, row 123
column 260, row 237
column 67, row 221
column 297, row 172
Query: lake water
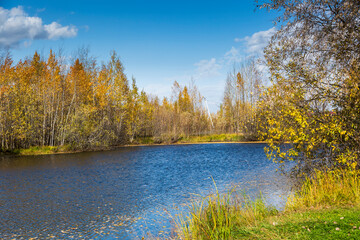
column 125, row 193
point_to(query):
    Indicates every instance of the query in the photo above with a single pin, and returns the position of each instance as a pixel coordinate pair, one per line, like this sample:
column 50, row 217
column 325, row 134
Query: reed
column 327, row 204
column 339, row 187
column 218, row 216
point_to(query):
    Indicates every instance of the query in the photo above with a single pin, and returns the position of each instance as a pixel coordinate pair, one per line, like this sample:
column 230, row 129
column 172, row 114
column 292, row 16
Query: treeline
column 46, row 102
column 49, row 102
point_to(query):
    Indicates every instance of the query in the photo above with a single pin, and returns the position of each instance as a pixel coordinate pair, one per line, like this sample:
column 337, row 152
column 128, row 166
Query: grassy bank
column 209, row 138
column 38, row 150
column 213, row 138
column 45, row 150
column 326, row 207
column 335, row 223
column 165, row 140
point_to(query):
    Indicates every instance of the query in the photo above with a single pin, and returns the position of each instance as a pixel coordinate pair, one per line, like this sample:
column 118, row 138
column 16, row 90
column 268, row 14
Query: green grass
column 42, row 150
column 192, row 139
column 165, row 139
column 327, row 206
column 219, row 216
column 338, row 223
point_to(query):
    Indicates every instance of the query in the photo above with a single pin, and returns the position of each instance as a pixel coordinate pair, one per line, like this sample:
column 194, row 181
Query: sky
column 158, row 41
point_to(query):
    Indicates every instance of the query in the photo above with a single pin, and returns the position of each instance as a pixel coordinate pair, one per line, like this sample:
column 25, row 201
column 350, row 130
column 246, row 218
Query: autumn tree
column 237, row 113
column 6, row 96
column 79, row 105
column 133, row 112
column 314, row 61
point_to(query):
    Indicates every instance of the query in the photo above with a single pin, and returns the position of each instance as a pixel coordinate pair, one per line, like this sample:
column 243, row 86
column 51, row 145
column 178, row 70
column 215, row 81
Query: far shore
column 188, row 143
column 47, row 150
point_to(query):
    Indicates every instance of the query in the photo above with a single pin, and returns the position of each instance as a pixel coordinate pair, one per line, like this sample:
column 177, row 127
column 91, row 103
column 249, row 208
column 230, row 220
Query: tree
column 314, row 62
column 49, row 102
column 133, row 124
column 118, row 94
column 242, row 91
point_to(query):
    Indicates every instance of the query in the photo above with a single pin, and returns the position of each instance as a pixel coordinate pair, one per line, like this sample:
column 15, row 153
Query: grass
column 220, row 216
column 340, row 187
column 38, row 150
column 41, row 150
column 334, row 223
column 327, row 206
column 213, row 138
column 195, row 139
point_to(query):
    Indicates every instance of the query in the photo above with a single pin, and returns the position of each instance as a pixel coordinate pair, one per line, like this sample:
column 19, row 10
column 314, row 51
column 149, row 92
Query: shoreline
column 189, row 143
column 40, row 151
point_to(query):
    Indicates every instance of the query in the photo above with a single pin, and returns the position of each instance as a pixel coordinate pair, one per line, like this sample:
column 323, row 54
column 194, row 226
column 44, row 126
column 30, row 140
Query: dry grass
column 218, row 216
column 338, row 187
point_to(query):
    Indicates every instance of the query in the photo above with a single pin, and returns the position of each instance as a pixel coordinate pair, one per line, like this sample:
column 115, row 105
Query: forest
column 47, row 101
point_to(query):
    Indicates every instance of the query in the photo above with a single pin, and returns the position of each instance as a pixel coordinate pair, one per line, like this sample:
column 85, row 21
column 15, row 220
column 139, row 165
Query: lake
column 125, row 193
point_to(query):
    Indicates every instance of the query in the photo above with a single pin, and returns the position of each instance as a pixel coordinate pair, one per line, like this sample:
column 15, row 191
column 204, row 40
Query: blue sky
column 158, row 41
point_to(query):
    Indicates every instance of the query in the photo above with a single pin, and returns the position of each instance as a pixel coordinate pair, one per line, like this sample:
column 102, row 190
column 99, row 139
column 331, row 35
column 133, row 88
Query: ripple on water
column 124, row 193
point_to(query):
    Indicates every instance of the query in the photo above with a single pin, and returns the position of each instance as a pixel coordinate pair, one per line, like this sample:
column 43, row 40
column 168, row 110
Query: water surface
column 124, row 193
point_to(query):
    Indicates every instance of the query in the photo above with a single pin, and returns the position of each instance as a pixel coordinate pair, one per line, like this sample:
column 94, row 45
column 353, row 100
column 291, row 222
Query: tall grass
column 233, row 215
column 41, row 150
column 219, row 216
column 330, row 188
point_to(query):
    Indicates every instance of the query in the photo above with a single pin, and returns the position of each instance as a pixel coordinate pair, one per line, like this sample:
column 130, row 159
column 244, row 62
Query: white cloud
column 55, row 30
column 16, row 26
column 256, row 42
column 207, row 68
column 232, row 56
